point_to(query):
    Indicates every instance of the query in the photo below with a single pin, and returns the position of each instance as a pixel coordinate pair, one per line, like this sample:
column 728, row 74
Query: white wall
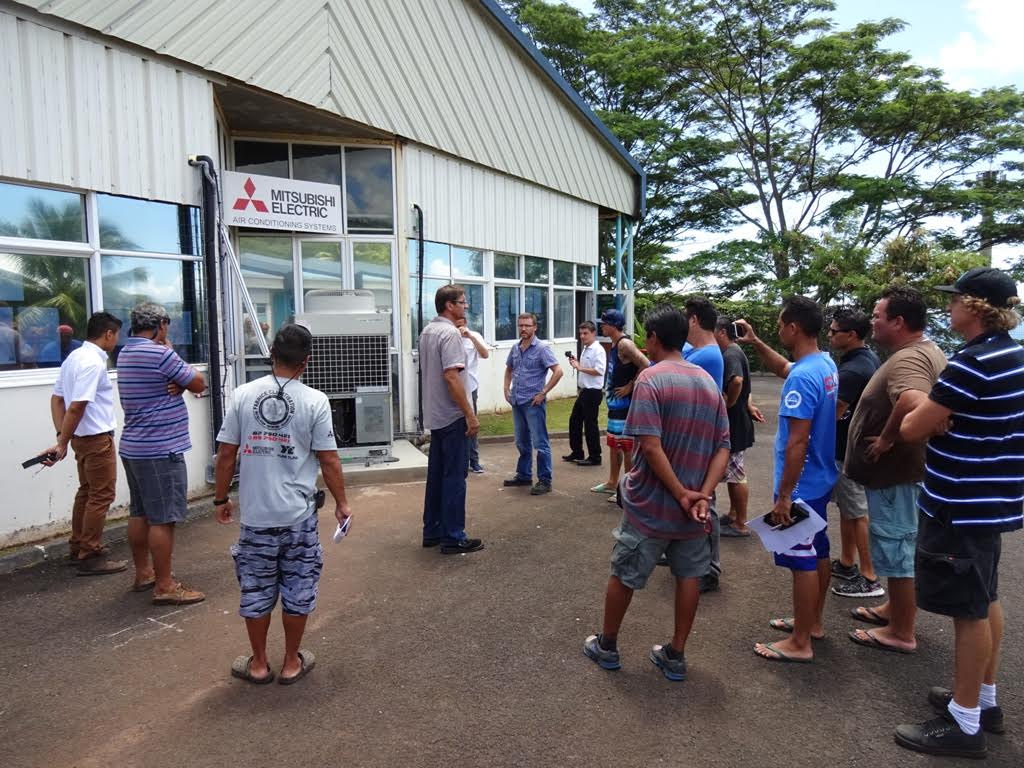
column 36, row 504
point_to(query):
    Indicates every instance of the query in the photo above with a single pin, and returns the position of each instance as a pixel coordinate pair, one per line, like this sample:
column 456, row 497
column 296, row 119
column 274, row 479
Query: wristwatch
column 221, row 502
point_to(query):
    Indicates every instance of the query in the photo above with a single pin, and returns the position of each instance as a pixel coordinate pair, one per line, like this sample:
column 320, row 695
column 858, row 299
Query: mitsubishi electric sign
column 267, row 202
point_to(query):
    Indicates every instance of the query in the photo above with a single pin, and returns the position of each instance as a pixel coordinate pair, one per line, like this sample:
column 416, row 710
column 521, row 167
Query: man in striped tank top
column 973, row 492
column 150, row 381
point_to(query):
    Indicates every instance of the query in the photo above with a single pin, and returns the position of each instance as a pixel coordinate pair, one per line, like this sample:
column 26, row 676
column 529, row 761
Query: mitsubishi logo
column 243, row 202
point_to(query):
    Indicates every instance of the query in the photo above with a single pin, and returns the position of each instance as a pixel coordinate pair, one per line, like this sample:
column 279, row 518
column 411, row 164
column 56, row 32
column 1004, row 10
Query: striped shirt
column 155, row 423
column 681, row 405
column 974, row 474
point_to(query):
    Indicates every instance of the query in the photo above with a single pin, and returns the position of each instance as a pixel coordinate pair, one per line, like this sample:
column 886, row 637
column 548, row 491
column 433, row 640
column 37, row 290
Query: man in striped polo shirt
column 150, row 381
column 973, row 491
column 678, row 418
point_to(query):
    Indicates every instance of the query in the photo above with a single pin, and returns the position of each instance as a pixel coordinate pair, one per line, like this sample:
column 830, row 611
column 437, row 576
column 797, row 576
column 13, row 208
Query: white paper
column 782, row 541
column 342, row 530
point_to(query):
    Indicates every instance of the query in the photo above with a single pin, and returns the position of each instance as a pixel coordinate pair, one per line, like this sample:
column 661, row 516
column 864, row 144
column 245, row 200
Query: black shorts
column 956, row 569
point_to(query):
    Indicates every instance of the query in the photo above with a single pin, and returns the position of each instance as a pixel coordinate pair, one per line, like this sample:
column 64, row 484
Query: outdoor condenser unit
column 351, row 364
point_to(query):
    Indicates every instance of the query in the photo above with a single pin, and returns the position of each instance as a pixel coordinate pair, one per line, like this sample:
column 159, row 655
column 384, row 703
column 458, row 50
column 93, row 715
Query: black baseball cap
column 992, row 285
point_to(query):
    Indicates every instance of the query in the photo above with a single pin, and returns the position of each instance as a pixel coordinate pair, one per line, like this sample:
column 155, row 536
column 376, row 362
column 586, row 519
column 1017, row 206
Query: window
column 430, row 286
column 436, row 258
column 537, row 270
column 313, row 162
column 266, row 158
column 175, row 285
column 371, row 271
column 584, row 276
column 129, row 224
column 467, row 262
column 563, row 273
column 506, row 308
column 41, row 214
column 475, row 308
column 537, row 303
column 44, row 306
column 269, row 277
column 563, row 315
column 321, row 266
column 506, row 266
column 368, row 189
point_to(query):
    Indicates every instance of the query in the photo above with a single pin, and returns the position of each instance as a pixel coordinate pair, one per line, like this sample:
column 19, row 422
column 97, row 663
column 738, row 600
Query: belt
column 98, row 434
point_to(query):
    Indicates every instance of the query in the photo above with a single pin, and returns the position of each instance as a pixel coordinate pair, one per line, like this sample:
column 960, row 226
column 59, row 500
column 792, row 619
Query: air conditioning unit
column 351, row 364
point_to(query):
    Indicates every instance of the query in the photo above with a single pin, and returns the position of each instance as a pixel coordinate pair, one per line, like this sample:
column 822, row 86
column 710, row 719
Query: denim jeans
column 473, row 442
column 444, row 505
column 531, row 428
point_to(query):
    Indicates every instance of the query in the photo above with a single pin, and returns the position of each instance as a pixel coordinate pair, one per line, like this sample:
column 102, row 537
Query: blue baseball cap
column 613, row 317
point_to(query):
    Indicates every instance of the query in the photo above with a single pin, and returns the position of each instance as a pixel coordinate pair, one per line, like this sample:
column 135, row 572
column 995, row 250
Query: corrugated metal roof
column 456, row 75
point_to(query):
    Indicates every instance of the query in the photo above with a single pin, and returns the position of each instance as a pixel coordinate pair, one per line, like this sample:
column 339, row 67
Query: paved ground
column 474, row 660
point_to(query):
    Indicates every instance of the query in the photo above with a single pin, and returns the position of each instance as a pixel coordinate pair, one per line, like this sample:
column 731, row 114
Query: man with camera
column 590, row 384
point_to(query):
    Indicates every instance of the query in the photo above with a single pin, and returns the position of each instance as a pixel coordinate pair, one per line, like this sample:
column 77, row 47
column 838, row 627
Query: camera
column 569, row 354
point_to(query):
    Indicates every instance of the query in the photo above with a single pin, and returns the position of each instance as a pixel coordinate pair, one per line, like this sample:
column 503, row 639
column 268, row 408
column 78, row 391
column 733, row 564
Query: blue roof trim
column 541, row 60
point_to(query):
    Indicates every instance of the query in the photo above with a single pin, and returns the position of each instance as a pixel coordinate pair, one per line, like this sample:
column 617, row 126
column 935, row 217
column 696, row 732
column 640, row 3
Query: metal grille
column 342, row 365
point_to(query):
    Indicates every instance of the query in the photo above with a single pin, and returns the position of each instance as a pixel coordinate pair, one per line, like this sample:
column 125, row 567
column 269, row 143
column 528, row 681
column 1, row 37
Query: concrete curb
column 495, row 439
column 53, row 550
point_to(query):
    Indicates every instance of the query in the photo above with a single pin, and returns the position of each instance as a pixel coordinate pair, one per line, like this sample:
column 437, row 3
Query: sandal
column 869, row 616
column 240, row 669
column 865, row 638
column 603, row 488
column 308, row 662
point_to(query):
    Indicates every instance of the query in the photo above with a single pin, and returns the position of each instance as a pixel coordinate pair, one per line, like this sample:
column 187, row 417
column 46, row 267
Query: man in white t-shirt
column 476, row 348
column 286, row 434
column 590, row 370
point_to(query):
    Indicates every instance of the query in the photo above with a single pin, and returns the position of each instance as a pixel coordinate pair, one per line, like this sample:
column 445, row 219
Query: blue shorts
column 893, row 529
column 278, row 561
column 805, row 557
column 158, row 488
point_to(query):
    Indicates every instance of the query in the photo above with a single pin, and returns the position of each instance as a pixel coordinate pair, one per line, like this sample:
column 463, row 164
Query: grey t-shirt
column 440, row 350
column 278, row 437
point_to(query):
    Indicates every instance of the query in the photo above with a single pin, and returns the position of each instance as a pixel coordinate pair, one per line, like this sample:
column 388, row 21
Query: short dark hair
column 905, row 302
column 725, row 324
column 668, row 324
column 293, row 343
column 850, row 319
column 701, row 308
column 587, row 325
column 804, row 313
column 445, row 294
column 101, row 322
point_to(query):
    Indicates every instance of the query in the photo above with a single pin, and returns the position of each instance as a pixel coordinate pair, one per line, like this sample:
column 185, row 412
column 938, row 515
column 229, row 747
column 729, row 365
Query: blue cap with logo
column 613, row 317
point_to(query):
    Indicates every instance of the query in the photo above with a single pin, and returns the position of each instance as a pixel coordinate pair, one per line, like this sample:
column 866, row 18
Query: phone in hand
column 737, row 330
column 796, row 514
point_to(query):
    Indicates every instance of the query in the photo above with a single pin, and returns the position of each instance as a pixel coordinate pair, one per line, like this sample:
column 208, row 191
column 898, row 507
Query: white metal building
column 434, row 107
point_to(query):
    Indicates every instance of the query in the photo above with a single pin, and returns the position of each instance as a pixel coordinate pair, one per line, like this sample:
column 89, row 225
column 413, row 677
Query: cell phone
column 342, row 530
column 737, row 330
column 796, row 514
column 39, row 459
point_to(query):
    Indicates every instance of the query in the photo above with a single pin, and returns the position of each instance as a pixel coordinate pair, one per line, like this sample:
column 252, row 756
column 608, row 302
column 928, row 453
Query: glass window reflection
column 475, row 308
column 467, row 262
column 321, row 265
column 130, row 224
column 563, row 273
column 564, row 311
column 506, row 266
column 267, row 158
column 584, row 276
column 506, row 308
column 368, row 189
column 436, row 258
column 314, row 162
column 537, row 302
column 269, row 277
column 41, row 214
column 430, row 287
column 537, row 270
column 371, row 271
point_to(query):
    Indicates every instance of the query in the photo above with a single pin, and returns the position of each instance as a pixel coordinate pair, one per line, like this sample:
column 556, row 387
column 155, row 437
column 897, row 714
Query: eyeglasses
column 463, row 302
column 166, row 321
column 834, row 331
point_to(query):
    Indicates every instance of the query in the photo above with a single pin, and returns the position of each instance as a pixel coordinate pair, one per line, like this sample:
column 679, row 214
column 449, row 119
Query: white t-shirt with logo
column 278, row 432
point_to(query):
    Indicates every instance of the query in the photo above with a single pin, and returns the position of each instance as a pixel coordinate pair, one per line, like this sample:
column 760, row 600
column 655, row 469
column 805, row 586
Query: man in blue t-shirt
column 805, row 466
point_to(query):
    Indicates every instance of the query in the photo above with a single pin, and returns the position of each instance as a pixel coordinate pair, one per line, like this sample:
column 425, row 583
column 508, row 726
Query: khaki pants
column 97, row 480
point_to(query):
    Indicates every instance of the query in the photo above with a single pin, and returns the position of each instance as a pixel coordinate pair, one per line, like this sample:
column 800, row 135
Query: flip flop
column 240, row 669
column 874, row 642
column 725, row 520
column 729, row 532
column 869, row 616
column 603, row 488
column 308, row 662
column 778, row 655
column 782, row 625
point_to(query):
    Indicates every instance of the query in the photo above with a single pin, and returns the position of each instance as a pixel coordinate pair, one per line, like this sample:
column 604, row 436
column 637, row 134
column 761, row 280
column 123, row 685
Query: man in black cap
column 972, row 493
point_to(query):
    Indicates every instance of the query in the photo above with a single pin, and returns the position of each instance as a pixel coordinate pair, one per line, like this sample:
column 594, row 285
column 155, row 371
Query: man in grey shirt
column 449, row 416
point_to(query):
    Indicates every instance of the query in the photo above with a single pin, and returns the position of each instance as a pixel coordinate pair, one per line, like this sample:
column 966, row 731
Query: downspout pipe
column 419, row 309
column 210, row 235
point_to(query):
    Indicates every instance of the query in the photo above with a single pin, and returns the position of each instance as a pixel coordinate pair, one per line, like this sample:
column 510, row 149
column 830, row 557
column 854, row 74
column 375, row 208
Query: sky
column 977, row 44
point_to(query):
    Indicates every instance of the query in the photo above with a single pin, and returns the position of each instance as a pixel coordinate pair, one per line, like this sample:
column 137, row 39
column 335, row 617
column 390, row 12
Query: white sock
column 987, row 700
column 969, row 720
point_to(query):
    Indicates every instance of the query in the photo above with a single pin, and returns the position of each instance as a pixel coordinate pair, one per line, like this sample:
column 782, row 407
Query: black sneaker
column 462, row 547
column 846, row 572
column 573, row 457
column 604, row 658
column 588, row 463
column 991, row 718
column 517, row 481
column 860, row 586
column 673, row 666
column 941, row 736
column 540, row 488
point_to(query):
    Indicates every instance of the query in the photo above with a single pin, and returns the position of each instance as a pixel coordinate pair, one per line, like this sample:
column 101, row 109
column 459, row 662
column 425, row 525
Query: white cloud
column 989, row 53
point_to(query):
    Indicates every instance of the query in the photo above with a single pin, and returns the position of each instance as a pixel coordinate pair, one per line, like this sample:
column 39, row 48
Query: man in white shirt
column 590, row 370
column 82, row 408
column 476, row 348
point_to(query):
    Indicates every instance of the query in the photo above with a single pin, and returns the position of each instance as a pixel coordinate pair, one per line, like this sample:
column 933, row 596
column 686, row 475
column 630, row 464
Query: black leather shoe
column 431, row 542
column 991, row 718
column 588, row 463
column 573, row 457
column 466, row 545
column 517, row 481
column 941, row 736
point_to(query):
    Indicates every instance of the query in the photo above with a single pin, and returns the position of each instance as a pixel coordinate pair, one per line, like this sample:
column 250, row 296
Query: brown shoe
column 100, row 566
column 180, row 595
